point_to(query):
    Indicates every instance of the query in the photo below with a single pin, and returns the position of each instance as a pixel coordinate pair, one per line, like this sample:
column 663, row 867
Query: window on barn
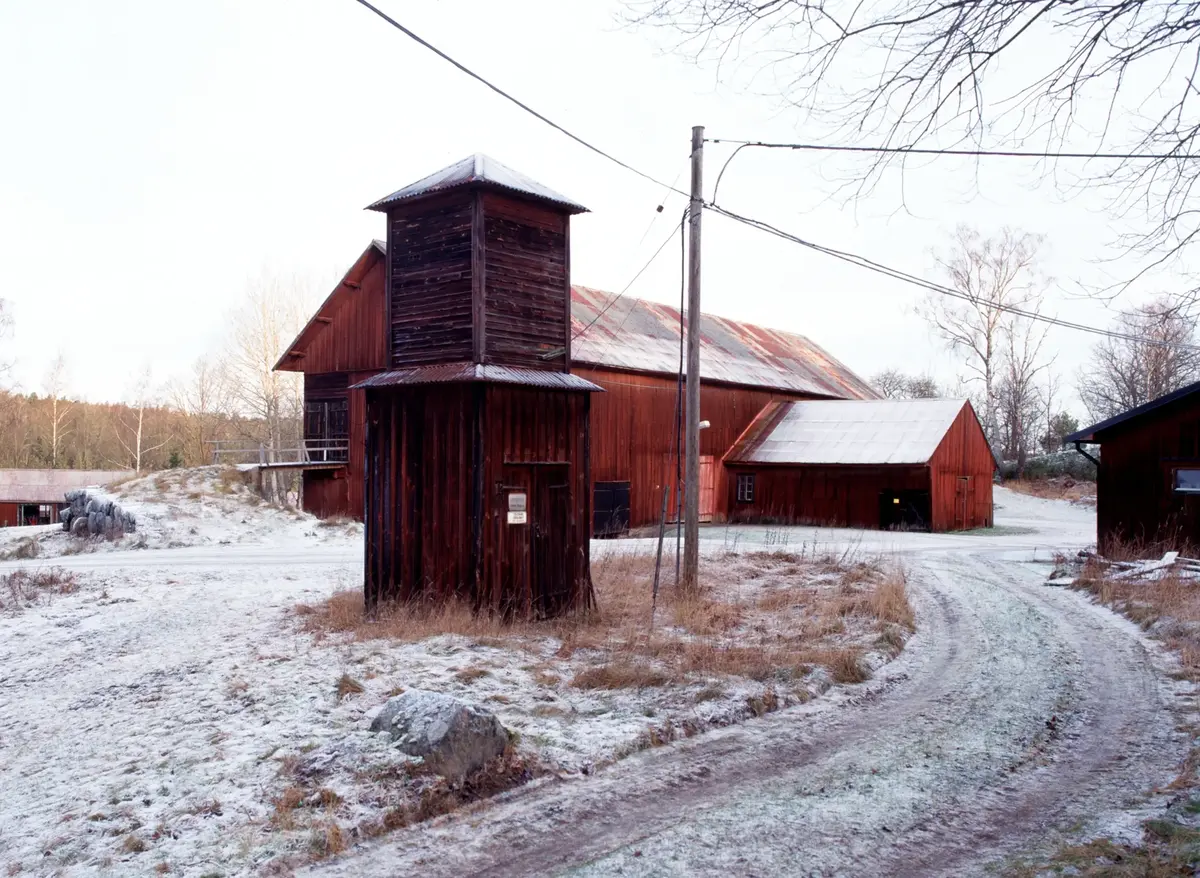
column 1187, row 481
column 745, row 488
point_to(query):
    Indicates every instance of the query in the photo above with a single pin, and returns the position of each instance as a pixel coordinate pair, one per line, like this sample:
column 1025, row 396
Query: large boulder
column 453, row 737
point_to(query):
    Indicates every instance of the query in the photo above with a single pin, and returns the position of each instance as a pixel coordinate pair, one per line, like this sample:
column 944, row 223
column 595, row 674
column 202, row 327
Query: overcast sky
column 156, row 156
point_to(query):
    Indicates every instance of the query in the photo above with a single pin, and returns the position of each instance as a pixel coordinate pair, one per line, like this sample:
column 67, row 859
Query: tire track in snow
column 948, row 760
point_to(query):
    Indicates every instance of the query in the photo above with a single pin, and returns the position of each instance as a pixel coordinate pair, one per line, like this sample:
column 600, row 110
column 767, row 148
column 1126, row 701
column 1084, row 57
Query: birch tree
column 131, row 422
column 994, row 274
column 54, row 386
column 6, row 324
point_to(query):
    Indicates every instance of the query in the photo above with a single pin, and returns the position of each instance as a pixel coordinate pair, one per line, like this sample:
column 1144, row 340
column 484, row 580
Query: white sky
column 156, row 156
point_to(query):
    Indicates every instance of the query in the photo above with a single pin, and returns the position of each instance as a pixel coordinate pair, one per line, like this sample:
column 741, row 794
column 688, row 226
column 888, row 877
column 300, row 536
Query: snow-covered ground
column 150, row 719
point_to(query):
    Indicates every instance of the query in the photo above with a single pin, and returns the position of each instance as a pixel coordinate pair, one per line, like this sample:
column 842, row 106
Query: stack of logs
column 91, row 516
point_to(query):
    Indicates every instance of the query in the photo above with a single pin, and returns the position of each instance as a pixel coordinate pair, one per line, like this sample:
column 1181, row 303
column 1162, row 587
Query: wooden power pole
column 691, row 492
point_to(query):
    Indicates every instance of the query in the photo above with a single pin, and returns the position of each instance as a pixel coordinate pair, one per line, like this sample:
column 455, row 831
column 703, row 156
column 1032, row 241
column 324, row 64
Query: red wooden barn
column 1148, row 478
column 880, row 463
column 627, row 347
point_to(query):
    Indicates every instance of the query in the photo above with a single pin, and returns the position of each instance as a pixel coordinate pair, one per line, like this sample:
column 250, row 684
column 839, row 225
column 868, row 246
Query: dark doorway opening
column 904, row 510
column 610, row 509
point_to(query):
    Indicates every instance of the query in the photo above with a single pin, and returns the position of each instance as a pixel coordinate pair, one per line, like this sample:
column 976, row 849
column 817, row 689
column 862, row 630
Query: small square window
column 1187, row 481
column 745, row 488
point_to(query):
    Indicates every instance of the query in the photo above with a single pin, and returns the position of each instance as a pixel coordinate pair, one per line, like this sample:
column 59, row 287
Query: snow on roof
column 49, row 485
column 643, row 336
column 480, row 169
column 874, row 431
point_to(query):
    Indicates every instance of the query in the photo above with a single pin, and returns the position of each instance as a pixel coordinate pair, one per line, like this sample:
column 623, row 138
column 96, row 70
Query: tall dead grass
column 771, row 616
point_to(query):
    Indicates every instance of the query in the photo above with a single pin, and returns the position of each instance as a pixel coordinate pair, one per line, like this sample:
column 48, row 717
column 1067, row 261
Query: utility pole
column 691, row 493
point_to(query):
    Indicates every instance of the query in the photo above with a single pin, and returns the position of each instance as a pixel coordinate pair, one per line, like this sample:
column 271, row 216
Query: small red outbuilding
column 876, row 463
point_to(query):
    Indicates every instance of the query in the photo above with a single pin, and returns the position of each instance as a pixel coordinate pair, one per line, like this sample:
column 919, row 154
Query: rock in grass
column 453, row 737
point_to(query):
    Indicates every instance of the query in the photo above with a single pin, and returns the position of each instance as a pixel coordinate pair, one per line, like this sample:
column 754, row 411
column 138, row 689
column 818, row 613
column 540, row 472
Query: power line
column 528, row 109
column 616, row 296
column 897, row 274
column 973, row 153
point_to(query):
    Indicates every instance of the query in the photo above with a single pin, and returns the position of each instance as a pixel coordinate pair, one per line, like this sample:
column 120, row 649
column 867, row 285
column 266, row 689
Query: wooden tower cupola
column 478, row 270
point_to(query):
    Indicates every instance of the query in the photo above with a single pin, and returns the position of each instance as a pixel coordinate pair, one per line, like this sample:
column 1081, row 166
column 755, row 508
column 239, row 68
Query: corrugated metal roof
column 49, row 485
column 447, row 373
column 875, row 431
column 480, row 169
column 643, row 336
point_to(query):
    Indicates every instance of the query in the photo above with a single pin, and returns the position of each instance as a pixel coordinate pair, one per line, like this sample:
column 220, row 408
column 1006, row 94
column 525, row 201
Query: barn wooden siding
column 526, row 281
column 329, row 493
column 1135, row 483
column 961, row 472
column 633, row 434
column 10, row 514
column 441, row 461
column 830, row 496
column 430, row 298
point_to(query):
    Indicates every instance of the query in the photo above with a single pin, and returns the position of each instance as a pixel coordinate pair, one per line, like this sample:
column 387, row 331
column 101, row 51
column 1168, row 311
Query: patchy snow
column 206, row 506
column 157, row 714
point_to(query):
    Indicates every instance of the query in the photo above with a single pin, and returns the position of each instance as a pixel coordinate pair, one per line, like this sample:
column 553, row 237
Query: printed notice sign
column 516, row 518
column 516, row 503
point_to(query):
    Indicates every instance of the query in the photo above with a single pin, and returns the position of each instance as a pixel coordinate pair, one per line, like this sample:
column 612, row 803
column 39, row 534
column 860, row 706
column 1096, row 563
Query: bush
column 1061, row 463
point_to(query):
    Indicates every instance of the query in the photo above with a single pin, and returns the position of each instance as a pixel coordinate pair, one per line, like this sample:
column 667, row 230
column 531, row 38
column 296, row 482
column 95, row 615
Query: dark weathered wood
column 1137, row 503
column 465, row 449
column 479, row 278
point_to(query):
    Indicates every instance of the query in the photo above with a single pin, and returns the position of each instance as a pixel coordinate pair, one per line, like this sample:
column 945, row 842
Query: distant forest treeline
column 105, row 435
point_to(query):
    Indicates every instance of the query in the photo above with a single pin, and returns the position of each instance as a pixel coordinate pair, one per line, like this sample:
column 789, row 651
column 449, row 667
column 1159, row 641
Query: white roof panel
column 873, row 431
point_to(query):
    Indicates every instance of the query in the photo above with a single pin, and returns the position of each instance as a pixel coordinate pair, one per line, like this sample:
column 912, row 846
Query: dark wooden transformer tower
column 477, row 481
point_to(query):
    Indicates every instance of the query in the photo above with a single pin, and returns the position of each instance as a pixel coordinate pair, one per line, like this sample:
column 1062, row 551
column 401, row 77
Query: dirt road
column 1018, row 712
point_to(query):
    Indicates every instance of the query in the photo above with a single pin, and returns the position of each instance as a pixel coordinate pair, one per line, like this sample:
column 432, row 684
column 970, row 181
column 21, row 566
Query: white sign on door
column 516, row 518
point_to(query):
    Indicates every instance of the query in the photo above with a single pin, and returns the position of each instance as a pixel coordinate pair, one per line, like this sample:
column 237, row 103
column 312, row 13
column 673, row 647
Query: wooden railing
column 237, row 451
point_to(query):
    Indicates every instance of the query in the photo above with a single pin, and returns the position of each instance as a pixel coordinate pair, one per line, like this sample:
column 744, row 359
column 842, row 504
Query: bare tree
column 1020, row 400
column 894, row 384
column 272, row 314
column 130, row 423
column 54, row 385
column 1117, row 77
column 995, row 274
column 204, row 397
column 1125, row 373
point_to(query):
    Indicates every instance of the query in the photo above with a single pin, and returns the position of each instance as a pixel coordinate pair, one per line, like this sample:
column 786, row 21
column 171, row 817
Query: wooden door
column 708, row 487
column 515, row 591
column 550, row 529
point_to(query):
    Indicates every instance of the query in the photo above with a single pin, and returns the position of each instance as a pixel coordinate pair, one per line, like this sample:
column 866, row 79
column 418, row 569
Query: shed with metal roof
column 881, row 463
column 35, row 496
column 1148, row 474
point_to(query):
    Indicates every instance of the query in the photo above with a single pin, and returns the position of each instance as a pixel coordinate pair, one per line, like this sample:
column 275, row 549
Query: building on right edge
column 920, row 464
column 1148, row 473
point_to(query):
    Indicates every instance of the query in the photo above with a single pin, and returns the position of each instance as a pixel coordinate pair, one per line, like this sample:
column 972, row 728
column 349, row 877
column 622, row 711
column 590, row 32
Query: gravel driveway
column 1019, row 715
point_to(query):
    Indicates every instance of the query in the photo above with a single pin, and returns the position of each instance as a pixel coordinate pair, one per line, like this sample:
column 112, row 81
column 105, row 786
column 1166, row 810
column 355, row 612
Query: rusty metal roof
column 449, row 373
column 49, row 485
column 641, row 336
column 480, row 170
column 846, row 431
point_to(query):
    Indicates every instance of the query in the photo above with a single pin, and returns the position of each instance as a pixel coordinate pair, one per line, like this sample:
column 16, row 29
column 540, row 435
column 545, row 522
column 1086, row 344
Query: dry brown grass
column 22, row 588
column 347, row 685
column 1059, row 488
column 763, row 616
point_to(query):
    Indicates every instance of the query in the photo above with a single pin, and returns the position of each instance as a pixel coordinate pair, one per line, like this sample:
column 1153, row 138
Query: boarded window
column 745, row 488
column 1187, row 481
